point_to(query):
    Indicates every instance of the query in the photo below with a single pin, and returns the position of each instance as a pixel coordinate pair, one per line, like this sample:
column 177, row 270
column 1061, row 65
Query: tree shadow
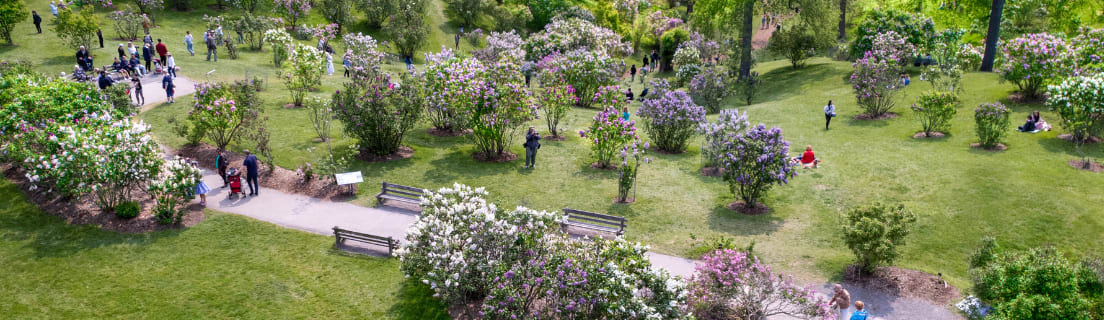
column 416, row 302
column 1057, row 145
column 784, row 81
column 721, row 219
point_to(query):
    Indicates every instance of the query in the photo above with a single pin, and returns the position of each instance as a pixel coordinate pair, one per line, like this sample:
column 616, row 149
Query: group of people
column 1035, row 123
column 222, row 163
column 841, row 303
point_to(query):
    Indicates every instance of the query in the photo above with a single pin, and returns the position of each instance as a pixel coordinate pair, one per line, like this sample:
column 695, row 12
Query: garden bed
column 280, row 179
column 403, row 153
column 712, row 171
column 933, row 135
column 884, row 116
column 999, row 147
column 1090, row 166
column 502, row 157
column 755, row 210
column 446, row 133
column 84, row 211
column 904, row 283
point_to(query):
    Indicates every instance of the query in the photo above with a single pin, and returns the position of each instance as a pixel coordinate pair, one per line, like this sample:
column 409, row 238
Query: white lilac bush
column 175, row 184
column 1080, row 103
column 303, row 71
column 280, row 41
column 364, row 56
column 571, row 34
column 734, row 284
column 499, row 45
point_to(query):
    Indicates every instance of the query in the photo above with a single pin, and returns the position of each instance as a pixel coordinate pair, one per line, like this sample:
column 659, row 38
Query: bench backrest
column 595, row 218
column 397, row 189
column 345, row 233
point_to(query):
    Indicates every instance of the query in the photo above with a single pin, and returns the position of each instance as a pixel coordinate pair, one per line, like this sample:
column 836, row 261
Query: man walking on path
column 532, row 143
column 37, row 20
column 829, row 113
column 162, row 50
column 212, row 48
column 251, row 164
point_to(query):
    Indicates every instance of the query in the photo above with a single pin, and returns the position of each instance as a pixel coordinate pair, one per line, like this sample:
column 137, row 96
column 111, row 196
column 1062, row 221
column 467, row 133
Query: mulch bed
column 658, row 150
column 999, row 147
column 503, row 157
column 627, row 200
column 1069, row 137
column 1018, row 97
column 554, row 138
column 84, row 210
column 712, row 172
column 403, row 153
column 1091, row 165
column 886, row 116
column 446, row 133
column 904, row 282
column 611, row 167
column 740, row 207
column 933, row 135
column 280, row 179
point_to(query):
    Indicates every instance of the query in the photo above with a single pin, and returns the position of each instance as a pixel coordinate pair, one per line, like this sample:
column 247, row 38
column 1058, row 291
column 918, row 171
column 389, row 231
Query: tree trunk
column 843, row 20
column 745, row 39
column 992, row 36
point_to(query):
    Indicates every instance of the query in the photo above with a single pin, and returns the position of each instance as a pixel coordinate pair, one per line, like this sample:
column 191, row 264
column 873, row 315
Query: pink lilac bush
column 734, row 284
column 608, row 133
column 1032, row 61
column 876, row 76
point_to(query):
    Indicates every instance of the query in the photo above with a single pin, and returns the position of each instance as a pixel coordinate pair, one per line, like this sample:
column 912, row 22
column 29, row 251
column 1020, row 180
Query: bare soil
column 468, row 310
column 740, row 207
column 1091, row 165
column 1019, row 97
column 627, row 200
column 446, row 133
column 503, row 157
column 84, row 211
column 712, row 171
column 999, row 147
column 1069, row 137
column 885, row 116
column 658, row 150
column 933, row 135
column 554, row 138
column 403, row 153
column 904, row 282
column 595, row 165
column 291, row 106
column 280, row 179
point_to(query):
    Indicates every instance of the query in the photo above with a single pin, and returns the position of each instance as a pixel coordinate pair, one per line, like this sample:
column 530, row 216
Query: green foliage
column 379, row 113
column 748, row 87
column 992, row 123
column 1036, row 16
column 302, row 72
column 466, row 12
column 338, row 12
column 874, row 232
column 935, row 111
column 11, row 13
column 223, row 112
column 407, row 27
column 127, row 23
column 127, row 209
column 186, row 129
column 511, row 17
column 668, row 44
column 253, row 28
column 555, row 101
column 77, row 28
column 118, row 95
column 798, row 44
column 1080, row 103
column 543, row 11
column 918, row 30
column 376, row 11
column 1036, row 284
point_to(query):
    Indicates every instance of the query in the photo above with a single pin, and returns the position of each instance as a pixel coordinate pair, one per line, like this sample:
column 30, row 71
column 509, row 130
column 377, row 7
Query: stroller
column 234, row 177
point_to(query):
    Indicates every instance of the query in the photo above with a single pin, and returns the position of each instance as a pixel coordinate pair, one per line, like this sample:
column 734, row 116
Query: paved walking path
column 151, row 89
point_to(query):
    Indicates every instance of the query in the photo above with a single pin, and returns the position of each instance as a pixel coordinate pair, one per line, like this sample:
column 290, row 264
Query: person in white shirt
column 329, row 64
column 829, row 113
column 170, row 64
column 188, row 42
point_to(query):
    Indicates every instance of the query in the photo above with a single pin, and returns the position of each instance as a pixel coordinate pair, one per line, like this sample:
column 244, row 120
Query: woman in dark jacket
column 532, row 143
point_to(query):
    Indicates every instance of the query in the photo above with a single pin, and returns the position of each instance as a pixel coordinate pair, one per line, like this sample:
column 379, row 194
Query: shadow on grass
column 416, row 302
column 722, row 219
column 1056, row 145
column 785, row 81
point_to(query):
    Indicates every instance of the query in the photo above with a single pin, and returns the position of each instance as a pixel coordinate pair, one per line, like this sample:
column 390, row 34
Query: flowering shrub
column 630, row 165
column 969, row 56
column 461, row 243
column 174, row 186
column 555, row 100
column 610, row 98
column 325, row 32
column 1080, row 103
column 213, row 22
column 127, row 23
column 754, row 161
column 501, row 44
column 707, row 49
column 292, row 9
column 253, row 28
column 708, row 89
column 448, row 85
column 874, row 232
column 364, row 56
column 1089, row 48
column 1033, row 60
column 687, row 72
column 586, row 71
column 218, row 115
column 406, row 27
column 992, row 123
column 877, row 74
column 608, row 133
column 686, row 55
column 498, row 104
column 303, row 71
column 917, row 29
column 280, row 41
column 474, row 37
column 935, row 111
column 671, row 120
column 729, row 125
column 734, row 284
column 378, row 113
column 574, row 34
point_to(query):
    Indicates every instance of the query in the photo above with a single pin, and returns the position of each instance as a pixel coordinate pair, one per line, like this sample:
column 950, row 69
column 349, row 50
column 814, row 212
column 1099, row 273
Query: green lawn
column 227, row 267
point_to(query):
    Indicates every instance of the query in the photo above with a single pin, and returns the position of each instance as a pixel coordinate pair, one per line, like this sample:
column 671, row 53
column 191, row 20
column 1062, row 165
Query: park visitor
column 1040, row 124
column 632, row 73
column 329, row 64
column 148, row 38
column 122, row 51
column 188, row 42
column 532, row 143
column 53, row 9
column 345, row 62
column 147, row 54
column 645, row 65
column 131, row 48
column 136, row 66
column 841, row 301
column 212, row 48
column 905, row 79
column 629, row 94
column 37, row 20
column 201, row 188
column 860, row 314
column 161, row 49
column 99, row 34
column 251, row 164
column 136, row 83
column 829, row 113
column 169, row 86
column 104, row 81
column 1028, row 126
column 170, row 65
column 218, row 35
column 84, row 59
column 221, row 164
column 625, row 111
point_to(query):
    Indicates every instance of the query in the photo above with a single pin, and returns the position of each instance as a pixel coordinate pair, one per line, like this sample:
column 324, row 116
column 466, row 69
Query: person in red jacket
column 161, row 50
column 809, row 158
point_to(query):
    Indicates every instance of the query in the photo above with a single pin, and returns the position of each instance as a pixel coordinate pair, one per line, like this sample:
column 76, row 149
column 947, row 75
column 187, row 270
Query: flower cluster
column 218, row 114
column 501, row 44
column 280, row 41
column 571, row 34
column 917, row 29
column 992, row 123
column 877, row 74
column 364, row 56
column 1080, row 103
column 730, row 124
column 293, row 9
column 303, row 71
column 379, row 113
column 608, row 133
column 586, row 71
column 671, row 120
column 707, row 49
column 1089, row 47
column 734, row 284
column 754, row 161
column 709, row 88
column 325, row 32
column 1031, row 61
column 174, row 186
column 449, row 85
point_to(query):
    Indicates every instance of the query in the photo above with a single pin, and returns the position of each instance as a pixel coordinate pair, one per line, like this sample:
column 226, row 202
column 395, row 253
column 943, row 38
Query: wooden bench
column 400, row 193
column 340, row 235
column 594, row 221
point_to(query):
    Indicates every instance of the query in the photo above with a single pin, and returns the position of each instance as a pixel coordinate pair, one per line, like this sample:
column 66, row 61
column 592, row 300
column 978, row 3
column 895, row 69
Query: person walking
column 532, row 144
column 860, row 314
column 170, row 65
column 348, row 64
column 632, row 73
column 221, row 164
column 212, row 48
column 162, row 50
column 329, row 64
column 99, row 34
column 37, row 20
column 147, row 55
column 169, row 86
column 251, row 164
column 136, row 84
column 655, row 59
column 829, row 113
column 841, row 301
column 188, row 42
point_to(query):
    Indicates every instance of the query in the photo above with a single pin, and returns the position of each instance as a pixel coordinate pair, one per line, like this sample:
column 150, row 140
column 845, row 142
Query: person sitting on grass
column 1040, row 124
column 1028, row 126
column 808, row 159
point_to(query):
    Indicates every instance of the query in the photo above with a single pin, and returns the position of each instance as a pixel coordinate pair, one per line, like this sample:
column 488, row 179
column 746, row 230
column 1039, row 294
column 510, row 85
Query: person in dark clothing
column 169, row 86
column 655, row 59
column 251, row 163
column 1029, row 125
column 829, row 113
column 457, row 41
column 122, row 51
column 84, row 59
column 212, row 49
column 645, row 65
column 139, row 97
column 644, row 93
column 147, row 54
column 99, row 34
column 221, row 164
column 629, row 94
column 37, row 20
column 104, row 81
column 632, row 73
column 532, row 143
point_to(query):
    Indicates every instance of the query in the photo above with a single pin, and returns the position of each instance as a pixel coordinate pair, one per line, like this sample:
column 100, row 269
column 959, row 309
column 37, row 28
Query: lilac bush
column 555, row 101
column 499, row 103
column 708, row 89
column 363, row 54
column 292, row 9
column 610, row 98
column 501, row 44
column 1032, row 61
column 128, row 24
column 379, row 113
column 218, row 115
column 574, row 34
column 1080, row 103
column 449, row 83
column 631, row 158
column 992, row 123
column 876, row 76
column 754, row 161
column 608, row 133
column 586, row 71
column 730, row 124
column 1089, row 48
column 935, row 111
column 671, row 120
column 326, row 32
column 734, row 284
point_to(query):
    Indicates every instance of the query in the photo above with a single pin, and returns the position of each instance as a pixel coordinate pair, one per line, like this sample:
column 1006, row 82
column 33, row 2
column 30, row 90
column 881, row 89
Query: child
column 860, row 314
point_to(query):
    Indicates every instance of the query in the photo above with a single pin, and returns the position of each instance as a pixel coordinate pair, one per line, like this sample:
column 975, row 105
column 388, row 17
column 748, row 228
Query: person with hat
column 532, row 144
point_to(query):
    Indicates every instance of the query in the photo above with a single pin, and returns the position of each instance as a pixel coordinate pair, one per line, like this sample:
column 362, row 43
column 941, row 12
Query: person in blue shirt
column 251, row 163
column 860, row 314
column 169, row 86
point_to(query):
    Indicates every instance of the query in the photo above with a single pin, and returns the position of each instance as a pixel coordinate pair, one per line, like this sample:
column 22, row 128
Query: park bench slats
column 340, row 235
column 400, row 193
column 594, row 221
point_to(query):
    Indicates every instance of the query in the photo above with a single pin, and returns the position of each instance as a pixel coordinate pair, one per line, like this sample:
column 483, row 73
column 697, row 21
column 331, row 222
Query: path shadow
column 400, row 208
column 416, row 302
column 357, row 249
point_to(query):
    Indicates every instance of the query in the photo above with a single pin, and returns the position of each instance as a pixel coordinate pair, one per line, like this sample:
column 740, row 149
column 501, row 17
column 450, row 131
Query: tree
column 292, row 9
column 669, row 44
column 992, row 36
column 363, row 55
column 543, row 11
column 248, row 5
column 253, row 28
column 1080, row 103
column 146, row 7
column 467, row 12
column 339, row 12
column 302, row 72
column 1036, row 284
column 379, row 113
column 77, row 29
column 11, row 13
column 730, row 123
column 734, row 284
column 407, row 27
column 874, row 232
column 755, row 160
column 376, row 11
column 715, row 16
column 796, row 44
column 128, row 24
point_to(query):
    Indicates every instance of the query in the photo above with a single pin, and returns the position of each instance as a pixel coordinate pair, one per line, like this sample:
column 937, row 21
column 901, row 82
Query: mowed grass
column 227, row 267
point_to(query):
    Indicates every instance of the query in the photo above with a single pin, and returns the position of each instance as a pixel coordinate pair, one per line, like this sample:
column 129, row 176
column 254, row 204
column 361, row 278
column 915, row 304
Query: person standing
column 645, row 65
column 99, row 34
column 625, row 110
column 162, row 50
column 221, row 164
column 37, row 20
column 54, row 9
column 632, row 73
column 860, row 314
column 169, row 86
column 148, row 38
column 139, row 97
column 251, row 164
column 348, row 64
column 829, row 113
column 122, row 51
column 329, row 64
column 218, row 35
column 532, row 143
column 841, row 300
column 170, row 65
column 212, row 48
column 456, row 39
column 147, row 54
column 201, row 187
column 188, row 42
column 655, row 59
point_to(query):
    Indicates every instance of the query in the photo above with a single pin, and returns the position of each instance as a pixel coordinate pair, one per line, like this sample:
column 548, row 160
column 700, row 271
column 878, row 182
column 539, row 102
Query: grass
column 225, row 267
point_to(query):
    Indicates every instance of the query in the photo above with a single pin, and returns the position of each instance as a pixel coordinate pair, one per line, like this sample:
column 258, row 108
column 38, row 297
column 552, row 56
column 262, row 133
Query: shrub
column 303, row 71
column 280, row 41
column 877, row 74
column 501, row 44
column 586, row 71
column 708, row 89
column 118, row 95
column 128, row 24
column 754, row 161
column 127, row 209
column 364, row 56
column 630, row 165
column 1037, row 283
column 174, row 186
column 219, row 116
column 1033, row 60
column 747, row 88
column 917, row 29
column 1089, row 49
column 498, row 106
column 610, row 98
column 378, row 113
column 187, row 130
column 730, row 124
column 1080, row 103
column 874, row 232
column 292, row 10
column 734, row 284
column 511, row 17
column 448, row 79
column 253, row 28
column 467, row 12
column 671, row 120
column 669, row 43
column 685, row 73
column 77, row 28
column 407, row 28
column 796, row 44
column 935, row 111
column 565, row 35
column 685, row 56
column 608, row 133
column 555, row 100
column 321, row 112
column 11, row 13
column 992, row 123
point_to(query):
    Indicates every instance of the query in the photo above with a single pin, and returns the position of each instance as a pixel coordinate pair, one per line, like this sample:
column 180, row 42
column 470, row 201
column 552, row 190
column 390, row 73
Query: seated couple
column 1035, row 123
column 807, row 159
